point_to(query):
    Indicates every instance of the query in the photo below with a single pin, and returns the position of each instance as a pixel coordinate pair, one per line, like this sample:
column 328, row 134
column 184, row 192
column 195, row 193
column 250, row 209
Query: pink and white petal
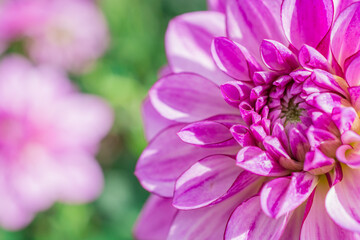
column 188, row 44
column 208, row 222
column 248, row 221
column 187, row 97
column 249, row 22
column 306, row 22
column 79, row 114
column 205, row 133
column 155, row 219
column 318, row 224
column 217, row 5
column 346, row 33
column 348, row 155
column 154, row 123
column 340, row 5
column 257, row 161
column 211, row 180
column 167, row 157
column 283, row 195
column 233, row 59
column 80, row 178
column 33, row 178
column 352, row 74
column 13, row 217
column 310, row 58
column 293, row 227
column 342, row 201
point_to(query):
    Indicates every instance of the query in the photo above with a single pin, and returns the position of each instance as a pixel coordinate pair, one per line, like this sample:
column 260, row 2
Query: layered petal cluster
column 254, row 128
column 49, row 134
column 69, row 34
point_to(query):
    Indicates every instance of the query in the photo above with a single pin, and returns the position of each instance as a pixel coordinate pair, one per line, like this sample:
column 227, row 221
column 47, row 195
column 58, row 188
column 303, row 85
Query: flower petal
column 217, row 5
column 187, row 97
column 155, row 219
column 208, row 222
column 316, row 162
column 166, row 158
column 154, row 123
column 352, row 72
column 318, row 224
column 257, row 161
column 342, row 201
column 306, row 21
column 248, row 221
column 310, row 58
column 233, row 59
column 277, row 57
column 211, row 180
column 249, row 22
column 293, row 227
column 283, row 195
column 188, row 44
column 205, row 133
column 346, row 33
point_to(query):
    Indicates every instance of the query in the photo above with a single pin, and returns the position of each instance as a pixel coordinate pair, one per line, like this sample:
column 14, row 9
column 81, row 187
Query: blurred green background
column 122, row 76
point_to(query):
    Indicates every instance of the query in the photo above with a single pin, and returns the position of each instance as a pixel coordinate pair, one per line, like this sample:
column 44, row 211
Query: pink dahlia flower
column 255, row 133
column 49, row 134
column 70, row 34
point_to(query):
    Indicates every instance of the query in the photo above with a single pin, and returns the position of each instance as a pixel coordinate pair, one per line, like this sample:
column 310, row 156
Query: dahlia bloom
column 49, row 134
column 254, row 131
column 69, row 34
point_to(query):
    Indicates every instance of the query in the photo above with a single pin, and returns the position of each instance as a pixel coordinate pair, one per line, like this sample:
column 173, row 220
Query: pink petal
column 293, row 227
column 344, row 118
column 328, row 81
column 249, row 222
column 81, row 113
column 209, row 181
column 81, row 178
column 352, row 73
column 318, row 224
column 217, row 5
column 342, row 201
column 257, row 161
column 233, row 59
column 154, row 123
column 316, row 162
column 310, row 58
column 13, row 216
column 188, row 44
column 283, row 195
column 236, row 92
column 208, row 222
column 155, row 219
column 242, row 135
column 346, row 33
column 325, row 101
column 354, row 93
column 166, row 158
column 306, row 21
column 340, row 5
column 299, row 144
column 205, row 133
column 277, row 57
column 187, row 97
column 249, row 22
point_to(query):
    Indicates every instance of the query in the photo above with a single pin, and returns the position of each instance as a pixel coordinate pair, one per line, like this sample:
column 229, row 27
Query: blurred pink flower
column 70, row 34
column 49, row 134
column 255, row 134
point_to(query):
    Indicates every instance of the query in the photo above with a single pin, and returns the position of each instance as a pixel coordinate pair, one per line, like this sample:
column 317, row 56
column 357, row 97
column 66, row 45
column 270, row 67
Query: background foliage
column 122, row 76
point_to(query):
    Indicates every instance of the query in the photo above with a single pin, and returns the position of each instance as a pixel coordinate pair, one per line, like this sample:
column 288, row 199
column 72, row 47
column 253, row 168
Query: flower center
column 291, row 112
